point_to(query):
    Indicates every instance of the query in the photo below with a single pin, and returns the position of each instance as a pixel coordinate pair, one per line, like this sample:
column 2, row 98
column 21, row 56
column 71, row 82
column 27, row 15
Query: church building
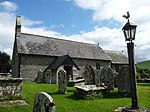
column 33, row 53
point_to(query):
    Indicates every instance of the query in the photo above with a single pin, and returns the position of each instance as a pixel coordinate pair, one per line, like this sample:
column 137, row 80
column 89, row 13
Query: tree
column 143, row 73
column 4, row 62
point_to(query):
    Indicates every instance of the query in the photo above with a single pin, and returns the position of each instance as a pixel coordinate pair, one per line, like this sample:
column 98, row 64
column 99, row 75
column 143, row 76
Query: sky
column 89, row 21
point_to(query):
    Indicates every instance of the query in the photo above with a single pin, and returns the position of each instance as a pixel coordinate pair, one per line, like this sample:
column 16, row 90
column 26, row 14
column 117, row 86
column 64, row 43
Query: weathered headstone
column 89, row 75
column 107, row 77
column 47, row 76
column 123, row 80
column 115, row 74
column 44, row 77
column 62, row 82
column 43, row 102
column 39, row 78
column 97, row 77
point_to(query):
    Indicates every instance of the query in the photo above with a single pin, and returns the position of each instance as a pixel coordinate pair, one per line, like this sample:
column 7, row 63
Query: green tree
column 143, row 73
column 4, row 62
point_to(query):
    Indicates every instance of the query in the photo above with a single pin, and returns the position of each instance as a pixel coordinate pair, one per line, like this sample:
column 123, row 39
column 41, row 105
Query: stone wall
column 81, row 63
column 31, row 64
column 10, row 87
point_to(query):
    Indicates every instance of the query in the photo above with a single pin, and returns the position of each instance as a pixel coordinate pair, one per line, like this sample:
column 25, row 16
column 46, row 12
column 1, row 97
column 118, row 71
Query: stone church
column 34, row 53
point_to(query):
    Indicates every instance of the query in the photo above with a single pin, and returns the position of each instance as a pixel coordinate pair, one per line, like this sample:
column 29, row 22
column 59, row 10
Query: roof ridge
column 60, row 39
column 113, row 51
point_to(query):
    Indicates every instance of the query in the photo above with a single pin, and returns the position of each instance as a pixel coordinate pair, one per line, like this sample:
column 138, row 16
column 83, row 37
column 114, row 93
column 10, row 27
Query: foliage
column 69, row 103
column 142, row 73
column 144, row 65
column 4, row 62
column 138, row 75
column 143, row 69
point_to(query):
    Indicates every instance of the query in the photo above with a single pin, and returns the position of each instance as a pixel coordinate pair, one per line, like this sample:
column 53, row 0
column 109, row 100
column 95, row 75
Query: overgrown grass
column 68, row 103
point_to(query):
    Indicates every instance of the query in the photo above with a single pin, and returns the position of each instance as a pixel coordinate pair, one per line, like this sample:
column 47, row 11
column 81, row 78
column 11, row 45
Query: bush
column 142, row 73
column 4, row 62
column 138, row 75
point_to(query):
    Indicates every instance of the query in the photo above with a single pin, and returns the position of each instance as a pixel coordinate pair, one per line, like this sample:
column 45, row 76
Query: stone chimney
column 18, row 26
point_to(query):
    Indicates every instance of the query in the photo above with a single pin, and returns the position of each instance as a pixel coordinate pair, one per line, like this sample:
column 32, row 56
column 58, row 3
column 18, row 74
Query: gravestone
column 123, row 80
column 97, row 76
column 39, row 78
column 44, row 77
column 115, row 74
column 43, row 102
column 62, row 82
column 89, row 75
column 107, row 77
column 47, row 76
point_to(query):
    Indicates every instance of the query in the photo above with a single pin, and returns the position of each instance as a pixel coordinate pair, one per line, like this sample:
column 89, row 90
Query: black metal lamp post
column 129, row 31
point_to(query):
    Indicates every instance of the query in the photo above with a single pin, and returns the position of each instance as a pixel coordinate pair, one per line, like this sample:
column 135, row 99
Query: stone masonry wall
column 32, row 64
column 81, row 63
column 10, row 87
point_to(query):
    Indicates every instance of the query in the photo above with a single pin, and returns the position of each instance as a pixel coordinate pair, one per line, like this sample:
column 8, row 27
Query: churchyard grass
column 68, row 103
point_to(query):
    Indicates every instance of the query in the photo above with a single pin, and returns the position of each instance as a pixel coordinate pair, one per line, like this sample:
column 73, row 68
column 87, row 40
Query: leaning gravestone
column 107, row 77
column 62, row 82
column 89, row 75
column 43, row 102
column 123, row 80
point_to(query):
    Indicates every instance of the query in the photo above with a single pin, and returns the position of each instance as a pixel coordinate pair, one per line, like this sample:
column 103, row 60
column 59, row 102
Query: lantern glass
column 129, row 31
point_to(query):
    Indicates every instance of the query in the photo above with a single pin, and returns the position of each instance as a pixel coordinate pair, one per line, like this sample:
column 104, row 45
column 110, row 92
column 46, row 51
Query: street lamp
column 129, row 31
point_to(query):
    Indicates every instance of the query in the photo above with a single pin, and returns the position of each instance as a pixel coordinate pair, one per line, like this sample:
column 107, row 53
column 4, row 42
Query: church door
column 69, row 71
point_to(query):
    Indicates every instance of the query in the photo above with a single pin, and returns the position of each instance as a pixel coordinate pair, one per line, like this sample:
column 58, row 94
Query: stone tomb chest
column 89, row 90
column 10, row 87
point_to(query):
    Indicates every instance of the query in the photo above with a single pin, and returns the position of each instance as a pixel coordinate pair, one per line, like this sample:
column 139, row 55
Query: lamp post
column 129, row 31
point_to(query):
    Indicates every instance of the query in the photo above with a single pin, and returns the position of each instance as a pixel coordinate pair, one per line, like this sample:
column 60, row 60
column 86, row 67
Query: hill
column 144, row 64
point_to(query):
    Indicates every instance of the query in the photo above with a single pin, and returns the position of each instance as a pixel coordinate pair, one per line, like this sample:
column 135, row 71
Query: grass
column 144, row 65
column 68, row 103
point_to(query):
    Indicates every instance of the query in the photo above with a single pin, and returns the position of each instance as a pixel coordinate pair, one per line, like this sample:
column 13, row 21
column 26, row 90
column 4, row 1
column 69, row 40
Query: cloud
column 6, row 31
column 41, row 31
column 7, row 27
column 103, row 10
column 28, row 22
column 8, row 6
column 54, row 26
column 113, row 10
column 7, row 18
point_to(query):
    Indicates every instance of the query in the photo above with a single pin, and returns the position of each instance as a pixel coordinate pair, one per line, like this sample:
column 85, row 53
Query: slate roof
column 42, row 45
column 62, row 60
column 117, row 57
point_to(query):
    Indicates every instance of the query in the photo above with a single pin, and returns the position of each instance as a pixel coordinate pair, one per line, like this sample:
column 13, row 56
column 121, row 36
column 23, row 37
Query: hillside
column 144, row 64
